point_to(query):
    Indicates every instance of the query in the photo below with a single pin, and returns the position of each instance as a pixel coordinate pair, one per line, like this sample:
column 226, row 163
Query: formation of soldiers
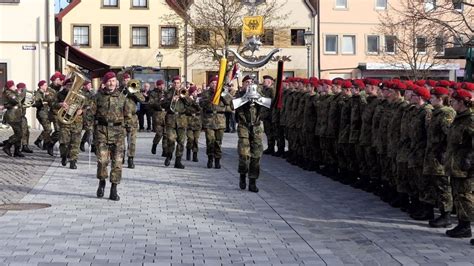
column 408, row 142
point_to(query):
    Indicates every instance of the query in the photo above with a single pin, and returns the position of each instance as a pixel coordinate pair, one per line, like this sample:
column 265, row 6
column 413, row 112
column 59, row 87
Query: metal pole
column 307, row 49
column 319, row 39
column 186, row 49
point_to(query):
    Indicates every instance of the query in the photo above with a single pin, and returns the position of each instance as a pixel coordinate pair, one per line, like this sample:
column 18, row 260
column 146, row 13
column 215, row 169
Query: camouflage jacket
column 110, row 112
column 176, row 118
column 54, row 106
column 404, row 140
column 43, row 102
column 309, row 115
column 459, row 153
column 12, row 101
column 321, row 113
column 194, row 116
column 299, row 111
column 369, row 106
column 437, row 140
column 285, row 109
column 380, row 121
column 345, row 120
column 268, row 92
column 213, row 116
column 334, row 115
column 155, row 101
column 132, row 100
column 88, row 116
column 417, row 130
column 357, row 104
column 248, row 115
column 393, row 130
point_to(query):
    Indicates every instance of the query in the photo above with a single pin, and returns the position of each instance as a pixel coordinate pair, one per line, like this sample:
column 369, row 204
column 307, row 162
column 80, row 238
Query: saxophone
column 74, row 99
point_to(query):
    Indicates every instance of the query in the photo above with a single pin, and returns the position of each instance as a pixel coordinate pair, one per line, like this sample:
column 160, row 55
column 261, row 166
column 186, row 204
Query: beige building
column 26, row 43
column 124, row 33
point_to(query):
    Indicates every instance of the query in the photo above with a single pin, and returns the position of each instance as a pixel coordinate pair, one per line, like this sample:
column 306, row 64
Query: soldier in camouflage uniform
column 69, row 134
column 156, row 98
column 110, row 112
column 25, row 136
column 359, row 168
column 459, row 162
column 311, row 147
column 298, row 113
column 250, row 145
column 268, row 91
column 194, row 125
column 88, row 118
column 345, row 149
column 286, row 114
column 213, row 122
column 176, row 121
column 12, row 102
column 332, row 129
column 433, row 169
column 278, row 124
column 131, row 123
column 44, row 99
column 321, row 114
column 56, row 85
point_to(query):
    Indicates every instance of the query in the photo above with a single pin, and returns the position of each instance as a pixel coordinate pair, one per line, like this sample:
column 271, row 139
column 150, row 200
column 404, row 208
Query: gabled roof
column 66, row 10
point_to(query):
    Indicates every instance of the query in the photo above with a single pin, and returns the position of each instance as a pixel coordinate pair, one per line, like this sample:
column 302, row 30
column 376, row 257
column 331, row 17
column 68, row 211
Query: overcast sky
column 59, row 4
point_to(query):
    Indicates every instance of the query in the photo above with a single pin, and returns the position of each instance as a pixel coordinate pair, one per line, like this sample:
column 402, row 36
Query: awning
column 79, row 58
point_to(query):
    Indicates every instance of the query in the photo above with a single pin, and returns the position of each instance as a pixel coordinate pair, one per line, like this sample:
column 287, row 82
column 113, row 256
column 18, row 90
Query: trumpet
column 182, row 93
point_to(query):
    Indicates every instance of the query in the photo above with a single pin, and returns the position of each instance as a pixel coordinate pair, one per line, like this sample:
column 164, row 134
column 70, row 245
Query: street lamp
column 308, row 38
column 159, row 58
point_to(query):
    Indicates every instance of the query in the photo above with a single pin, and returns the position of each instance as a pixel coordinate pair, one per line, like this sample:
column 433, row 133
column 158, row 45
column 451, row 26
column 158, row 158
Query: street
column 200, row 216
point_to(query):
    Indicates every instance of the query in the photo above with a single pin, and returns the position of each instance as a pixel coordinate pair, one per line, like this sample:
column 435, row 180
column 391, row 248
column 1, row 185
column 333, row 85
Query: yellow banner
column 253, row 25
column 220, row 81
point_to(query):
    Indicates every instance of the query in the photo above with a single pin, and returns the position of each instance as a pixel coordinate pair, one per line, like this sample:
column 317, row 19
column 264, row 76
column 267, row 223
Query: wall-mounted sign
column 28, row 47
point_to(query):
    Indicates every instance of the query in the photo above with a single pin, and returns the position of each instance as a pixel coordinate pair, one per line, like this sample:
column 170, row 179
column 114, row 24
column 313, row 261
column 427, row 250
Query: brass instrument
column 183, row 92
column 133, row 86
column 29, row 99
column 74, row 99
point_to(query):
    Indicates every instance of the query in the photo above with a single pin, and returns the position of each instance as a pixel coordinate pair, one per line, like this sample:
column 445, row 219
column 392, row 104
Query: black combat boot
column 188, row 154
column 82, row 146
column 210, row 160
column 63, row 160
column 38, row 143
column 195, row 157
column 178, row 164
column 93, row 148
column 472, row 241
column 50, row 148
column 163, row 154
column 100, row 190
column 253, row 185
column 167, row 160
column 7, row 148
column 72, row 164
column 400, row 200
column 463, row 229
column 17, row 152
column 113, row 193
column 131, row 164
column 243, row 181
column 26, row 148
column 270, row 150
column 444, row 220
column 426, row 212
column 217, row 163
column 153, row 148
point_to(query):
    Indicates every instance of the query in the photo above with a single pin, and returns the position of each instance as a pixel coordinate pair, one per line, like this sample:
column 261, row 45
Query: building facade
column 26, row 43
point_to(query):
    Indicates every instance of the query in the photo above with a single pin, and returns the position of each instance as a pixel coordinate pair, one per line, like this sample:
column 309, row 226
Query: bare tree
column 411, row 43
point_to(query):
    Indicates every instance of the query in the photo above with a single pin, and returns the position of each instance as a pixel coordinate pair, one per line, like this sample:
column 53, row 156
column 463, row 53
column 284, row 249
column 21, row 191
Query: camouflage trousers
column 309, row 147
column 160, row 135
column 413, row 178
column 329, row 150
column 442, row 192
column 269, row 132
column 426, row 189
column 347, row 157
column 279, row 137
column 401, row 179
column 106, row 153
column 175, row 136
column 373, row 168
column 360, row 166
column 87, row 136
column 45, row 135
column 25, row 131
column 214, row 142
column 56, row 126
column 15, row 139
column 385, row 165
column 69, row 140
column 250, row 150
column 299, row 142
column 192, row 139
column 463, row 197
column 131, row 135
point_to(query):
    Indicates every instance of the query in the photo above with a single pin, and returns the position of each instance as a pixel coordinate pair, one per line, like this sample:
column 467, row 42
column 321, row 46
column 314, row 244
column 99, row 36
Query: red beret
column 431, row 83
column 462, row 95
column 21, row 85
column 338, row 82
column 10, row 84
column 409, row 83
column 41, row 83
column 176, row 78
column 108, row 76
column 444, row 83
column 346, row 84
column 315, row 83
column 420, row 82
column 215, row 78
column 126, row 76
column 387, row 84
column 423, row 92
column 440, row 91
column 305, row 81
column 327, row 81
column 56, row 75
column 400, row 86
column 373, row 82
column 453, row 84
column 468, row 86
column 62, row 77
column 359, row 83
column 159, row 82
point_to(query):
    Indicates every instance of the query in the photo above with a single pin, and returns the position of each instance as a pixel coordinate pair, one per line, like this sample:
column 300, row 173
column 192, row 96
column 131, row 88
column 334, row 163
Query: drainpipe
column 48, row 45
column 318, row 24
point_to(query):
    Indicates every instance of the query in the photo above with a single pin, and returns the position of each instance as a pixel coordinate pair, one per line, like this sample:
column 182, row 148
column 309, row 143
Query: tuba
column 74, row 99
column 133, row 86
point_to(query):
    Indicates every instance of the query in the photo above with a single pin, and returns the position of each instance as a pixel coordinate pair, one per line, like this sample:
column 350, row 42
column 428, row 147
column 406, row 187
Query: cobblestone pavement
column 199, row 216
column 19, row 175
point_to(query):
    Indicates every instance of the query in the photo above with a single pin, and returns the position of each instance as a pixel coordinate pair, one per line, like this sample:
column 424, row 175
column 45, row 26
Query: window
column 297, row 37
column 458, row 5
column 288, row 74
column 110, row 3
column 110, row 36
column 330, row 46
column 430, row 5
column 390, row 44
column 439, row 45
column 169, row 37
column 140, row 3
column 373, row 44
column 235, row 36
column 202, row 36
column 348, row 44
column 140, row 36
column 421, row 44
column 341, row 3
column 267, row 38
column 380, row 4
column 80, row 35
